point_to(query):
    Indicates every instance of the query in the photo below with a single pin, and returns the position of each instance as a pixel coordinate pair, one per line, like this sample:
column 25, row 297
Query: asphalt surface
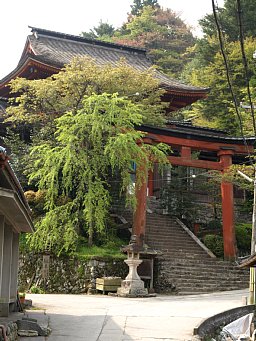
column 106, row 318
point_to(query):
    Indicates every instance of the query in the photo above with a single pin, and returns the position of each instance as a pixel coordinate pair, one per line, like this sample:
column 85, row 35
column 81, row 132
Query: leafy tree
column 228, row 20
column 218, row 109
column 228, row 17
column 42, row 100
column 163, row 34
column 97, row 138
column 103, row 30
column 83, row 120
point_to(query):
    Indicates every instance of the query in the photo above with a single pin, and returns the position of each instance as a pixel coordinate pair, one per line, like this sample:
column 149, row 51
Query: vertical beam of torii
column 139, row 219
column 227, row 196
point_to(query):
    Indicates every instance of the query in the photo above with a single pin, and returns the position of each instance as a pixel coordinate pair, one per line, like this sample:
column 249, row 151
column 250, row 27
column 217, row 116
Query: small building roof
column 249, row 262
column 13, row 204
column 50, row 51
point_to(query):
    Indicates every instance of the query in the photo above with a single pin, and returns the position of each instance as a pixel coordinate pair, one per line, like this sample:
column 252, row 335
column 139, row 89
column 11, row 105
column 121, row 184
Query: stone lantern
column 132, row 286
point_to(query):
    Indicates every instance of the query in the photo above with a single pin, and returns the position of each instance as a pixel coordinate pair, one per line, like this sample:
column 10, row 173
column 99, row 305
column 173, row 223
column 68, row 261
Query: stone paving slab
column 105, row 318
column 42, row 319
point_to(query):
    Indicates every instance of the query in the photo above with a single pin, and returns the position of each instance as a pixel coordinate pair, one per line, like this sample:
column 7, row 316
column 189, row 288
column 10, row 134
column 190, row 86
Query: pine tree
column 138, row 5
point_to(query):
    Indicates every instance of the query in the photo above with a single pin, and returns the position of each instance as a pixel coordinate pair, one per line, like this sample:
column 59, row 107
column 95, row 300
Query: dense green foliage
column 228, row 16
column 41, row 101
column 243, row 240
column 208, row 69
column 96, row 139
column 83, row 135
column 214, row 75
column 215, row 244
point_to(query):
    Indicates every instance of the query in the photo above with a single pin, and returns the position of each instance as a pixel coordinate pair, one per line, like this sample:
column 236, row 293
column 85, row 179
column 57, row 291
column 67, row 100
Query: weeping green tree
column 98, row 139
column 83, row 134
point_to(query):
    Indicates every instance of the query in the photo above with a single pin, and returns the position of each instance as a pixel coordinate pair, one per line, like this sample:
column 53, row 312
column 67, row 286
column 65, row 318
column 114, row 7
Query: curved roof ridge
column 80, row 39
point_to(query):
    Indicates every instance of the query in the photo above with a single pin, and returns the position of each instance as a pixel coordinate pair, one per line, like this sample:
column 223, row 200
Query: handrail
column 198, row 241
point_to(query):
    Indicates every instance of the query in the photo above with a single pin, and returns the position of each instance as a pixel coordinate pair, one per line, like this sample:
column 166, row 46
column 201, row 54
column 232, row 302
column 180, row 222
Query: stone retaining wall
column 66, row 274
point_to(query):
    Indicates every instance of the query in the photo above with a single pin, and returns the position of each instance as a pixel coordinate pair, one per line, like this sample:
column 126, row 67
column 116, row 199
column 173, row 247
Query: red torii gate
column 186, row 139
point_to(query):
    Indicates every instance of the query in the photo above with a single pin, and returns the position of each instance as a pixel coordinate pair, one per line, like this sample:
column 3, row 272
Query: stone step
column 198, row 283
column 192, row 259
column 185, row 264
column 178, row 249
column 187, row 290
column 207, row 276
column 210, row 284
column 166, row 240
column 208, row 267
column 180, row 236
column 184, row 239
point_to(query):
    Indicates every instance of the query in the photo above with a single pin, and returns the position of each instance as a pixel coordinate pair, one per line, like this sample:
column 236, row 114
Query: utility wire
column 226, row 66
column 246, row 71
column 222, row 48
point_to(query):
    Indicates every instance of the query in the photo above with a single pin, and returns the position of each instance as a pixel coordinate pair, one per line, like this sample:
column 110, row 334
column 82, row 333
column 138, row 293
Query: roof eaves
column 248, row 262
column 178, row 88
column 23, row 64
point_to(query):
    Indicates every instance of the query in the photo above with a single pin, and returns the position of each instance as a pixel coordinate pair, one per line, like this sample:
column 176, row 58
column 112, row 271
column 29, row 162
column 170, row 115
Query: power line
column 246, row 71
column 222, row 48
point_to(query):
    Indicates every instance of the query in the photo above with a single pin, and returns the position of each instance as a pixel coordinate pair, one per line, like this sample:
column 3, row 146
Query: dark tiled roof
column 248, row 262
column 189, row 127
column 58, row 49
column 197, row 134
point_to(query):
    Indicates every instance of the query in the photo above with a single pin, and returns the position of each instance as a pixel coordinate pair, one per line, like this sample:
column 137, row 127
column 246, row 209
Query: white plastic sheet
column 241, row 326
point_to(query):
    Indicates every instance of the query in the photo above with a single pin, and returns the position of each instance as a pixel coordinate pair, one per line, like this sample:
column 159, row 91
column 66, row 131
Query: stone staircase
column 184, row 267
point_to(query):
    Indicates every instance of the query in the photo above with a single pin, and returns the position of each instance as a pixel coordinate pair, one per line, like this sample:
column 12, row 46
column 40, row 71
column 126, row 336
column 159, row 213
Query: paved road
column 105, row 318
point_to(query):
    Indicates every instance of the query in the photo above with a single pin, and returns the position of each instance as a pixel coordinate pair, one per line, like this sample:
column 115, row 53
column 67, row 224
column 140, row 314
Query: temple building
column 46, row 52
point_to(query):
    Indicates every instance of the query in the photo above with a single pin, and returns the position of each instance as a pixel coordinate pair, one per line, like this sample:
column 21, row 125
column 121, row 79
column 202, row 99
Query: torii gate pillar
column 227, row 196
column 139, row 219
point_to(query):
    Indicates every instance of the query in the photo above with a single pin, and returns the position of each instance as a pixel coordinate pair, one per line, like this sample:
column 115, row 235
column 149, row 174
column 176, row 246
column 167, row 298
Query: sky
column 73, row 17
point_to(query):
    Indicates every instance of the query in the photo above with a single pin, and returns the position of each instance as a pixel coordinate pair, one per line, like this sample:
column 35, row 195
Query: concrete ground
column 106, row 318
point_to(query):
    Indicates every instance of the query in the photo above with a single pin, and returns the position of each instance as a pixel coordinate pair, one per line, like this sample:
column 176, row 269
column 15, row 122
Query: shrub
column 36, row 290
column 215, row 224
column 215, row 244
column 243, row 238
